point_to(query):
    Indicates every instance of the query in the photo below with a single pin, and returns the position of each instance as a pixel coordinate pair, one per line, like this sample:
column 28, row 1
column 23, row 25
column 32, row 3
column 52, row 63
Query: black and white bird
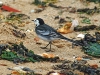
column 47, row 33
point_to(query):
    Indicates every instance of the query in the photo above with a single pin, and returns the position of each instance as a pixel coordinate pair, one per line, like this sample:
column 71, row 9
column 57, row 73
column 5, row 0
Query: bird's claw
column 49, row 50
column 43, row 47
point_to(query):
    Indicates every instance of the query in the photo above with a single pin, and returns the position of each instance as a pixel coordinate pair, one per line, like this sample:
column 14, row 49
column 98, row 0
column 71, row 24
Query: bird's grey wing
column 48, row 31
column 43, row 30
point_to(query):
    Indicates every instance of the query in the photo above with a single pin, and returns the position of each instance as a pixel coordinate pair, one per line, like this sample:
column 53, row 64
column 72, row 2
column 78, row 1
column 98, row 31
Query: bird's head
column 38, row 21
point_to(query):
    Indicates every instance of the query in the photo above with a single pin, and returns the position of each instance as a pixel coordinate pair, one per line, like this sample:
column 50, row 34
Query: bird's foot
column 49, row 50
column 43, row 47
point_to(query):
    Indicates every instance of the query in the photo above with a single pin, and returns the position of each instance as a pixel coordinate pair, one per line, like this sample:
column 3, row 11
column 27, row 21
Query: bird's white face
column 36, row 22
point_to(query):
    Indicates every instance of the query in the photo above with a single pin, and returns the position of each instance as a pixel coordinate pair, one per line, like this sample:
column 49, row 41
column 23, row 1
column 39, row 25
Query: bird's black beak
column 32, row 20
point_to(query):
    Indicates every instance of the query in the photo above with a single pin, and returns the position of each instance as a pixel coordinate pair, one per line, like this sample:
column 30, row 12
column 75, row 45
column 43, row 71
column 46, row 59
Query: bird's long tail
column 71, row 40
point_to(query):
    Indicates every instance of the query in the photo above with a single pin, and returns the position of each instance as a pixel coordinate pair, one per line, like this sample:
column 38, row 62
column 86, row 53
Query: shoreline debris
column 8, row 8
column 89, row 11
column 76, row 67
column 85, row 28
column 18, row 53
column 18, row 34
column 66, row 28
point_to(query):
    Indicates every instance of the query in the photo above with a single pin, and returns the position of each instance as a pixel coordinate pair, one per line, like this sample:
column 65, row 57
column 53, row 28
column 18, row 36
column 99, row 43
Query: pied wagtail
column 47, row 33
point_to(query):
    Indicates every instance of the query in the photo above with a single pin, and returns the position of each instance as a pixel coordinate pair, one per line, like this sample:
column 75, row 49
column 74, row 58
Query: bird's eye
column 34, row 20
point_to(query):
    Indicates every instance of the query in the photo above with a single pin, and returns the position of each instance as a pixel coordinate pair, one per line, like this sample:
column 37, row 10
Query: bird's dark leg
column 45, row 46
column 48, row 44
column 50, row 47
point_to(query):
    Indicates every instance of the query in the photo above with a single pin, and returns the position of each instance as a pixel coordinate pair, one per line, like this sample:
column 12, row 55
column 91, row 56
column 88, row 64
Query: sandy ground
column 48, row 15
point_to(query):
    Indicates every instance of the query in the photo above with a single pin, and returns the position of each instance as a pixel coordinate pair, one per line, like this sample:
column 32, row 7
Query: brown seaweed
column 79, row 66
column 20, row 16
column 85, row 28
column 18, row 34
column 62, row 20
column 97, row 36
column 89, row 11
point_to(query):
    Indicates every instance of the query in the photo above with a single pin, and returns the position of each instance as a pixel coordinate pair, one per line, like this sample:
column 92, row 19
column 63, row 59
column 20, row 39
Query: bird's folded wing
column 43, row 32
column 48, row 31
